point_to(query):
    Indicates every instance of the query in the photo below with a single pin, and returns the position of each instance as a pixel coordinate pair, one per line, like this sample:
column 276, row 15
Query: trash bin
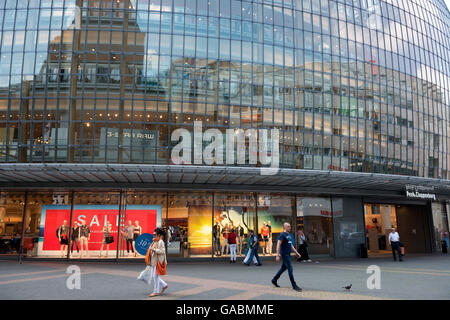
column 363, row 251
column 444, row 246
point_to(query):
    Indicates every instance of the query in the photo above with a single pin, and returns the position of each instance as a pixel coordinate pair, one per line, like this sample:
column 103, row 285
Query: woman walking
column 302, row 247
column 156, row 259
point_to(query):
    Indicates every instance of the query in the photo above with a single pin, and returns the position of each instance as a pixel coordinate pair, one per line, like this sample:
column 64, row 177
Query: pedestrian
column 302, row 247
column 247, row 250
column 156, row 259
column 284, row 248
column 232, row 243
column 394, row 242
column 253, row 249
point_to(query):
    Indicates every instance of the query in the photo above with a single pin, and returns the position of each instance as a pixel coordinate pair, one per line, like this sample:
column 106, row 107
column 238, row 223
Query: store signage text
column 420, row 192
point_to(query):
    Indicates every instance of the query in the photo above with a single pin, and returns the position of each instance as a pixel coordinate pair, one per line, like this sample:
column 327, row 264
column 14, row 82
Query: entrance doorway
column 410, row 221
column 379, row 220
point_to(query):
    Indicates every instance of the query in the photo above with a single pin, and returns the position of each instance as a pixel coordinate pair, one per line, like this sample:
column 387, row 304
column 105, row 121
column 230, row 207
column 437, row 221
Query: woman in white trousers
column 157, row 253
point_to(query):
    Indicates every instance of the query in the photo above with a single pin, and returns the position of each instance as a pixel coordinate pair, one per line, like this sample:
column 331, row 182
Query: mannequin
column 75, row 237
column 270, row 243
column 239, row 237
column 127, row 233
column 136, row 233
column 216, row 236
column 63, row 236
column 106, row 233
column 85, row 236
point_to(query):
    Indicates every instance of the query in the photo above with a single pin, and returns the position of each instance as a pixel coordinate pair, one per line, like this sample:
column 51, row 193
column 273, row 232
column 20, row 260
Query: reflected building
column 92, row 91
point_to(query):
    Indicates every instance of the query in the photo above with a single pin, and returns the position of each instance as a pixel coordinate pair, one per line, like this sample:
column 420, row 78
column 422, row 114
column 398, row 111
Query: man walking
column 254, row 246
column 394, row 241
column 284, row 248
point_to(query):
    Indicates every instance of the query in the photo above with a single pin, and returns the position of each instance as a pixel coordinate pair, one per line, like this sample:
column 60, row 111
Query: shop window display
column 144, row 212
column 273, row 212
column 314, row 218
column 232, row 211
column 94, row 216
column 379, row 220
column 11, row 214
column 189, row 221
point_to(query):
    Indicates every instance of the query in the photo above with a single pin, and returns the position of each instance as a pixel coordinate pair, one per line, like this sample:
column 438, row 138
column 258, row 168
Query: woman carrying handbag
column 156, row 260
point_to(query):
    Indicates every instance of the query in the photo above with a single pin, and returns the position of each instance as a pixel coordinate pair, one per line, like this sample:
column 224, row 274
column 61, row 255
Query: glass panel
column 379, row 219
column 145, row 211
column 233, row 212
column 95, row 217
column 190, row 218
column 11, row 213
column 273, row 212
column 441, row 227
column 348, row 226
column 314, row 219
column 48, row 224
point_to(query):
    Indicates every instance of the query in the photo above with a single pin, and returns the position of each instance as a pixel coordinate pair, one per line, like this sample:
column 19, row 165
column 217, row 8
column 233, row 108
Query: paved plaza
column 418, row 277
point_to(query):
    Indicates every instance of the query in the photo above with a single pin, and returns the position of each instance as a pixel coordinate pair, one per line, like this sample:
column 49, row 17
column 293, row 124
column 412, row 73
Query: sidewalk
column 418, row 277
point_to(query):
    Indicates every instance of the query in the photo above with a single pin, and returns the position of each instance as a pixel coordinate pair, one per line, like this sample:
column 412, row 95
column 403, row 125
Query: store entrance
column 379, row 220
column 410, row 222
column 413, row 228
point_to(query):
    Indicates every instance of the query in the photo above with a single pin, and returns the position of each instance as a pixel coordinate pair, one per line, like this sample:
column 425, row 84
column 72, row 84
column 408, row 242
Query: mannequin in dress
column 136, row 233
column 85, row 236
column 106, row 233
column 63, row 236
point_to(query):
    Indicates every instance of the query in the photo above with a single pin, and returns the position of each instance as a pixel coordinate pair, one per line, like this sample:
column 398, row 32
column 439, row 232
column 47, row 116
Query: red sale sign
column 96, row 217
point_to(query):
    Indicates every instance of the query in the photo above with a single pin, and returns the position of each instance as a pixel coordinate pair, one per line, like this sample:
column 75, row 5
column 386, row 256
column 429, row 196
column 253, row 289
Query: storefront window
column 232, row 212
column 314, row 218
column 441, row 227
column 379, row 220
column 11, row 213
column 348, row 224
column 190, row 218
column 273, row 212
column 144, row 212
column 42, row 221
column 95, row 216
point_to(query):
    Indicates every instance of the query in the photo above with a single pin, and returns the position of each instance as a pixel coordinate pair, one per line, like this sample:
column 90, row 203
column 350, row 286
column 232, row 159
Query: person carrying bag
column 156, row 263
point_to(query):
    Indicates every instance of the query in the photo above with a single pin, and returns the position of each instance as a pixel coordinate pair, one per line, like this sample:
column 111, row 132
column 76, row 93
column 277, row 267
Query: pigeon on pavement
column 347, row 287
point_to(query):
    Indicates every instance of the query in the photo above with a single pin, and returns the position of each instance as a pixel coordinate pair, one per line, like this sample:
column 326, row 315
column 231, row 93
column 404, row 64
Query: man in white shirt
column 394, row 241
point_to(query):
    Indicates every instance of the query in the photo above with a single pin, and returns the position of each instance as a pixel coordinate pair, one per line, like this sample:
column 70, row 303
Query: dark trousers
column 75, row 241
column 254, row 253
column 130, row 244
column 287, row 265
column 396, row 246
column 303, row 252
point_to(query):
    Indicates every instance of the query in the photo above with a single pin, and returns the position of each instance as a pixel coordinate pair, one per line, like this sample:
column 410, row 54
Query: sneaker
column 275, row 283
column 297, row 288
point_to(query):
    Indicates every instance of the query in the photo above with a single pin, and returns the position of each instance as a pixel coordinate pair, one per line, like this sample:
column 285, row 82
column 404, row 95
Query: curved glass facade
column 351, row 85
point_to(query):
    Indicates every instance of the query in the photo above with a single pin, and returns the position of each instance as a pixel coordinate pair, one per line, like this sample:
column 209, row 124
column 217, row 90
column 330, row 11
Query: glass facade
column 332, row 226
column 351, row 85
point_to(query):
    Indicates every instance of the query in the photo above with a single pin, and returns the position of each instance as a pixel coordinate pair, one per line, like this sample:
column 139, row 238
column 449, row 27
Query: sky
column 448, row 3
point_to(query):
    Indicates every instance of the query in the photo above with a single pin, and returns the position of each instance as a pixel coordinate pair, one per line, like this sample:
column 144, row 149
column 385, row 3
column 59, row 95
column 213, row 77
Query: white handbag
column 146, row 275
